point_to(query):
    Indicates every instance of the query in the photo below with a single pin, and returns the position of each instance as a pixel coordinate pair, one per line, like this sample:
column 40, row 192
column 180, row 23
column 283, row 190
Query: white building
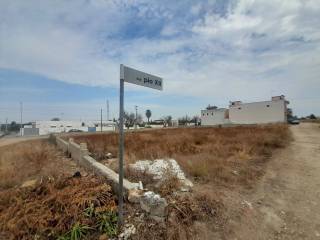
column 47, row 127
column 273, row 111
column 214, row 116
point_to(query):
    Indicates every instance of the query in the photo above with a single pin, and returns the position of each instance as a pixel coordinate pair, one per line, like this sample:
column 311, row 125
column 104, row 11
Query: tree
column 14, row 127
column 195, row 120
column 55, row 119
column 184, row 120
column 312, row 116
column 148, row 114
column 289, row 113
column 167, row 120
column 129, row 119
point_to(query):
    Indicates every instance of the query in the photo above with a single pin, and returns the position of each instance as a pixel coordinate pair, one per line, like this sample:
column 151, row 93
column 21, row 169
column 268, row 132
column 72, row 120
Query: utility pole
column 136, row 122
column 21, row 106
column 121, row 148
column 108, row 116
column 101, row 121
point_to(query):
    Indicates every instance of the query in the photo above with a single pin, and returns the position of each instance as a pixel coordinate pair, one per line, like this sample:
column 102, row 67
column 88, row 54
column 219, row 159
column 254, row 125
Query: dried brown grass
column 187, row 210
column 55, row 202
column 185, row 213
column 32, row 159
column 221, row 155
column 51, row 208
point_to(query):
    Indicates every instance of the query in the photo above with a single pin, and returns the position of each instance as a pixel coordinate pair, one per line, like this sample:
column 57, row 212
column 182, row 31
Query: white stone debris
column 109, row 155
column 248, row 204
column 155, row 205
column 129, row 229
column 29, row 184
column 160, row 167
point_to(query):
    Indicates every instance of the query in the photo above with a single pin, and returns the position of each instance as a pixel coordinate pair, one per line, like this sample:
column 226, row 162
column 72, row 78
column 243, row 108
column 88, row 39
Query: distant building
column 48, row 127
column 273, row 111
column 214, row 116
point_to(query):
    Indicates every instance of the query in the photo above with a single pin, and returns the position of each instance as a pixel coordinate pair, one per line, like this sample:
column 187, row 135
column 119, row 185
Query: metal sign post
column 130, row 75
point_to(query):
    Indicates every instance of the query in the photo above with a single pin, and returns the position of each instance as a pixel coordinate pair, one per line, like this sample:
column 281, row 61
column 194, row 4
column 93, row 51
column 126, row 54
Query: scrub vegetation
column 41, row 198
column 234, row 155
column 221, row 162
column 31, row 160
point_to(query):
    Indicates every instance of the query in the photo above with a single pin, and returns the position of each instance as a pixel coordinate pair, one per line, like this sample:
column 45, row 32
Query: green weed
column 107, row 223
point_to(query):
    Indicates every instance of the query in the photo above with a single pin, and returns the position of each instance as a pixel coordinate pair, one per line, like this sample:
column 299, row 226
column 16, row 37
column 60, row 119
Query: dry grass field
column 232, row 155
column 29, row 160
column 220, row 161
column 40, row 198
column 61, row 206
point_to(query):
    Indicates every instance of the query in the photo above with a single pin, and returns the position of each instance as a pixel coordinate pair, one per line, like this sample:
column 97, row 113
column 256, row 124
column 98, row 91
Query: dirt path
column 11, row 140
column 286, row 202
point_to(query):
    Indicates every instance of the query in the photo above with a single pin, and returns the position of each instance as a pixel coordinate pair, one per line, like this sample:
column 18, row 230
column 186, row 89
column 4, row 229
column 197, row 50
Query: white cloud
column 253, row 49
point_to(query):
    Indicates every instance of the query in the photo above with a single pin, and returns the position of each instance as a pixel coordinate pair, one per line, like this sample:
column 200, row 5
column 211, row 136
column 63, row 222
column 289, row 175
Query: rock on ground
column 154, row 205
column 159, row 168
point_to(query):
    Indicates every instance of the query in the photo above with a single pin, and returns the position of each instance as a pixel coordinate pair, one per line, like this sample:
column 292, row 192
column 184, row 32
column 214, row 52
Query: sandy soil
column 285, row 204
column 12, row 140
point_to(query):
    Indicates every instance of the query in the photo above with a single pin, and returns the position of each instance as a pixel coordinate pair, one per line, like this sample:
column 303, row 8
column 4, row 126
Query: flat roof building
column 274, row 111
column 214, row 116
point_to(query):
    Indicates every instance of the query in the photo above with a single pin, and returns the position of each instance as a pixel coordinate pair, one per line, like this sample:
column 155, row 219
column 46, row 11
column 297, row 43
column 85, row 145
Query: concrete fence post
column 83, row 150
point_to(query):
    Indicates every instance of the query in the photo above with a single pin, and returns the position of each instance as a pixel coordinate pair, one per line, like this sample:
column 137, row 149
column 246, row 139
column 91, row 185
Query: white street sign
column 131, row 75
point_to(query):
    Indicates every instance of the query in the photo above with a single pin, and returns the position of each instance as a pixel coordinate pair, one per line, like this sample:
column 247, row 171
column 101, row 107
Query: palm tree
column 148, row 114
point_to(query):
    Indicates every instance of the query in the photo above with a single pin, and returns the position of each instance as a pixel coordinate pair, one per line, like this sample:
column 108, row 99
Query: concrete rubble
column 29, row 184
column 160, row 168
column 129, row 229
column 155, row 205
column 150, row 202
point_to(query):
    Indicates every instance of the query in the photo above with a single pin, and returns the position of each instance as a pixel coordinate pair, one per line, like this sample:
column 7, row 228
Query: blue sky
column 61, row 58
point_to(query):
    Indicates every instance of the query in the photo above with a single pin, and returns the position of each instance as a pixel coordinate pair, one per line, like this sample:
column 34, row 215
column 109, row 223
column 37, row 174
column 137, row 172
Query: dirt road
column 286, row 202
column 11, row 140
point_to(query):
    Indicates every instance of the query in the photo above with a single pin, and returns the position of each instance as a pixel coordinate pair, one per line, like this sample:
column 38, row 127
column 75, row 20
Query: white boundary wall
column 80, row 154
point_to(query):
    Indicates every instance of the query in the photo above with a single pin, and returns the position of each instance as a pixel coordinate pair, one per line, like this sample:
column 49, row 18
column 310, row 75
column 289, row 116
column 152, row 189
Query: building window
column 207, row 114
column 212, row 114
column 239, row 108
column 202, row 114
column 268, row 105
